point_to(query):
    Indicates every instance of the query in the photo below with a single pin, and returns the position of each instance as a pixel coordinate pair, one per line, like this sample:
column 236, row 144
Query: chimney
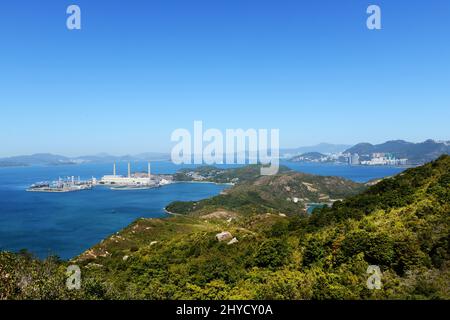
column 149, row 173
column 129, row 169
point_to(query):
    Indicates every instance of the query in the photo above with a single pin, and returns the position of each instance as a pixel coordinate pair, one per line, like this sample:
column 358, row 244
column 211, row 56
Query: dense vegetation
column 400, row 224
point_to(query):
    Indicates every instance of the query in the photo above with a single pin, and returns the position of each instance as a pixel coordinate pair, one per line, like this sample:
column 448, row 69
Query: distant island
column 48, row 159
column 395, row 152
column 34, row 159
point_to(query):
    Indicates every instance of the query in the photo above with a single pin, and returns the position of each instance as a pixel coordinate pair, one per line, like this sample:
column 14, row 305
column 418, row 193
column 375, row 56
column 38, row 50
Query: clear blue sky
column 140, row 69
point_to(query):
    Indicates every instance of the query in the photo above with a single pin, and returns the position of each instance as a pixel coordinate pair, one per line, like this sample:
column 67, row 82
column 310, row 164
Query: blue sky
column 140, row 69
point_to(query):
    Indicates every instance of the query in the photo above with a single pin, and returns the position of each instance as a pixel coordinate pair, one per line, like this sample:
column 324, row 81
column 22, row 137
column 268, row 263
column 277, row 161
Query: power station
column 135, row 180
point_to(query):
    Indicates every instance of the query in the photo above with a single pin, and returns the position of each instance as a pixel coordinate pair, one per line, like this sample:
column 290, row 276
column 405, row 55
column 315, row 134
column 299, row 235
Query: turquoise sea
column 66, row 224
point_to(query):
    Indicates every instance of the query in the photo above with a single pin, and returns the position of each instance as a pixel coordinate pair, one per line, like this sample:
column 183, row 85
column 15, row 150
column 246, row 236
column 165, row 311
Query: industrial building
column 131, row 180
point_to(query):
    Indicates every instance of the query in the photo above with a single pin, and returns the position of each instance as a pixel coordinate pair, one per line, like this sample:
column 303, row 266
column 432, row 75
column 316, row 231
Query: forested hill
column 288, row 192
column 400, row 225
column 425, row 189
column 416, row 153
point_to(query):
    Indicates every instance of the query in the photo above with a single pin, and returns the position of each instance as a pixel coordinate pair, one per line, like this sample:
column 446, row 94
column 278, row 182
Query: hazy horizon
column 167, row 152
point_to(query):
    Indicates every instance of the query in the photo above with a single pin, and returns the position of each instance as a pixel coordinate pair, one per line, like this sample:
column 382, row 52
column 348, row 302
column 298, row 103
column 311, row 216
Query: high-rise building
column 354, row 159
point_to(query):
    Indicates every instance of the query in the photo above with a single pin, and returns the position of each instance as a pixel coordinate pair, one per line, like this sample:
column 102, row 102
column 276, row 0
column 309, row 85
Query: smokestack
column 114, row 169
column 129, row 169
column 149, row 174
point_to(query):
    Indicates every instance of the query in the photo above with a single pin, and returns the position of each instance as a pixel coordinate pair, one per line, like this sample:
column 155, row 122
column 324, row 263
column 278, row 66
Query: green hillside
column 287, row 193
column 401, row 224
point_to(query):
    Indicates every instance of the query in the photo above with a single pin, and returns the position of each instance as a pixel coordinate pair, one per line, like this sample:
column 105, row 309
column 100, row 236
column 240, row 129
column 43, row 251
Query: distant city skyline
column 138, row 70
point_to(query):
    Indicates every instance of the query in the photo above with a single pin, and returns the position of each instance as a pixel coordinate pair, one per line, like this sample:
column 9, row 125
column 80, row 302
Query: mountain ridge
column 321, row 147
column 416, row 153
